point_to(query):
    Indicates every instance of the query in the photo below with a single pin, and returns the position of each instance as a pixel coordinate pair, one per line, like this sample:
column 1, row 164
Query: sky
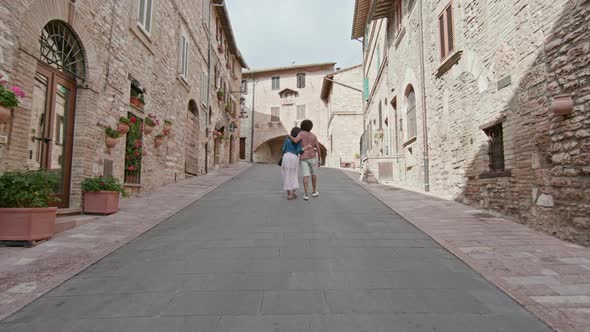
column 274, row 33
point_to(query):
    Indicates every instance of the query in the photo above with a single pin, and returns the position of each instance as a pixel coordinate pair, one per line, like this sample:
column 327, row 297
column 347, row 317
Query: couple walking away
column 300, row 148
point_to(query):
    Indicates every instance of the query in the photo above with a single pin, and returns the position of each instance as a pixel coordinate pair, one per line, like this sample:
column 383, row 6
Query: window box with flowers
column 137, row 98
column 112, row 137
column 101, row 195
column 8, row 99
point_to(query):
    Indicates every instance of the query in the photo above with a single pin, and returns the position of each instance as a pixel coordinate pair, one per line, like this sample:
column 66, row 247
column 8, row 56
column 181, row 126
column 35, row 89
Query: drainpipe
column 252, row 120
column 424, row 112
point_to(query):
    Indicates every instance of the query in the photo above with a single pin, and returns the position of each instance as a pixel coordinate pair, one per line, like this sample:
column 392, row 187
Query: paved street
column 243, row 258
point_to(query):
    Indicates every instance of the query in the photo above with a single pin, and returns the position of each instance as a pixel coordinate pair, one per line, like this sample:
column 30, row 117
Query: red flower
column 133, row 119
column 130, row 168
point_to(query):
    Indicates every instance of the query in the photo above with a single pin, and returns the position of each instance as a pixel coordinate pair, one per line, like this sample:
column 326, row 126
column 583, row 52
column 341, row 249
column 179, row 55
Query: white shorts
column 309, row 166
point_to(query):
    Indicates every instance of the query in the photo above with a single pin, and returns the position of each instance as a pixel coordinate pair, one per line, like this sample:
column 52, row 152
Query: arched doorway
column 191, row 141
column 60, row 68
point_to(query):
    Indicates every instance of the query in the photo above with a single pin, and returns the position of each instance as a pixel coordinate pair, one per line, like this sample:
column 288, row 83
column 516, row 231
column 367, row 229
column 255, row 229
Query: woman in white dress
column 290, row 164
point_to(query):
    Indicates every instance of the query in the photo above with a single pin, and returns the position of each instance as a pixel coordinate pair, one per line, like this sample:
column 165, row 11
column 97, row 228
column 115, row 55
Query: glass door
column 52, row 135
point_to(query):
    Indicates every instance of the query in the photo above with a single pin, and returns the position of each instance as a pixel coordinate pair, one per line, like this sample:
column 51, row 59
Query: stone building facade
column 79, row 62
column 472, row 87
column 276, row 100
column 341, row 92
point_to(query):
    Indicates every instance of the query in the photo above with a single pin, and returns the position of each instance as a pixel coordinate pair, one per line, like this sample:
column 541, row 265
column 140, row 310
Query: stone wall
column 510, row 59
column 116, row 50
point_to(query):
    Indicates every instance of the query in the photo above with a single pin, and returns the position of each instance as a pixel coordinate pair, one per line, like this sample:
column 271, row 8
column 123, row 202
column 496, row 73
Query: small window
column 446, row 31
column 301, row 81
column 411, row 113
column 145, row 15
column 205, row 11
column 495, row 148
column 276, row 83
column 275, row 114
column 244, row 87
column 300, row 112
column 183, row 58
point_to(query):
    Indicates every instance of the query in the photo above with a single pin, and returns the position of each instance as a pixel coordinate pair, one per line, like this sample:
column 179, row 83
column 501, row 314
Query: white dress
column 290, row 170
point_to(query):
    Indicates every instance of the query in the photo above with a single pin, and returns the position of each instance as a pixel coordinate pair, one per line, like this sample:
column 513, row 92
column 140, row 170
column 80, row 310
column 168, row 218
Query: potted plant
column 167, row 126
column 150, row 123
column 158, row 140
column 8, row 99
column 220, row 94
column 25, row 214
column 220, row 48
column 101, row 194
column 137, row 99
column 227, row 65
column 112, row 137
column 123, row 125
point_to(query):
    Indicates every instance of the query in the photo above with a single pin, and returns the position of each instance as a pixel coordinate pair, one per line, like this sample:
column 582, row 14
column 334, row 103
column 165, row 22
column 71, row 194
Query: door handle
column 45, row 140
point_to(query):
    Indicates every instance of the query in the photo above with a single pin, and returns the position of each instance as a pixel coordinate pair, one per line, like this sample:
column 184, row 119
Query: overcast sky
column 281, row 32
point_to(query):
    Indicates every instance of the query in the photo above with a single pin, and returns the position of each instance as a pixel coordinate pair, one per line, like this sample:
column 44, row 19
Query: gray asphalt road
column 244, row 258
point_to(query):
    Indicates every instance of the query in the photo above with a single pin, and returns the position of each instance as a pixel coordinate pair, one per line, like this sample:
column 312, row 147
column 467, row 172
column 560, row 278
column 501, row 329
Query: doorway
column 192, row 130
column 242, row 148
column 54, row 97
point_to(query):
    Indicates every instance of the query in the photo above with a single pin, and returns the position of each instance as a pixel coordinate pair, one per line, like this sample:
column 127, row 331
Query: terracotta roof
column 310, row 65
column 327, row 84
column 229, row 33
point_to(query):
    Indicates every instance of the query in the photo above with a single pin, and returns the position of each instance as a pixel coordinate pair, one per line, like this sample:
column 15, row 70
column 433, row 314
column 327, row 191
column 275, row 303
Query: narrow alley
column 243, row 258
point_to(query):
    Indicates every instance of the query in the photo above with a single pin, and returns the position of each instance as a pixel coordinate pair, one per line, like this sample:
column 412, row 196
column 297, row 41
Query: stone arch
column 41, row 12
column 270, row 151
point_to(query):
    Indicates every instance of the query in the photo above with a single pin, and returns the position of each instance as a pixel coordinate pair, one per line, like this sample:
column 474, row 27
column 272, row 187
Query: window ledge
column 143, row 36
column 183, row 82
column 400, row 36
column 136, row 108
column 490, row 175
column 448, row 63
column 410, row 141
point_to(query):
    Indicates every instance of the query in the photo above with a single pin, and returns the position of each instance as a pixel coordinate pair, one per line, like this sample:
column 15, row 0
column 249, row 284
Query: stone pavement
column 26, row 274
column 243, row 258
column 548, row 276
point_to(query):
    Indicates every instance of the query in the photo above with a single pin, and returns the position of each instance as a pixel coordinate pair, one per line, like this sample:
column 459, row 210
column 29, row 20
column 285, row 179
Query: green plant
column 125, row 120
column 103, row 184
column 168, row 122
column 138, row 94
column 134, row 147
column 112, row 133
column 27, row 189
column 149, row 122
column 220, row 93
column 160, row 136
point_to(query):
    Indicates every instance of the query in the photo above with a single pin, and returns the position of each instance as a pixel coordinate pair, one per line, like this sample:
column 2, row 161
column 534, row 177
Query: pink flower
column 130, row 168
column 133, row 119
column 17, row 91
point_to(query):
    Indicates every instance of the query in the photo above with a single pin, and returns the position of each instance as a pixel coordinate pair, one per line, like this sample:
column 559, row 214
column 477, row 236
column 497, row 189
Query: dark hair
column 306, row 125
column 295, row 131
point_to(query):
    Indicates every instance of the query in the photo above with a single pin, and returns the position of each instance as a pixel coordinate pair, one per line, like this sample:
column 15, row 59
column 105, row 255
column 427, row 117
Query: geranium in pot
column 25, row 214
column 158, row 140
column 167, row 126
column 123, row 126
column 112, row 137
column 101, row 195
column 8, row 99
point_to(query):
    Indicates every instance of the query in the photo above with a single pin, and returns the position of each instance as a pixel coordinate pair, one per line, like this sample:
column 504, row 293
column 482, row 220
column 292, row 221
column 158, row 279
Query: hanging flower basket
column 112, row 137
column 220, row 95
column 227, row 65
column 123, row 125
column 167, row 126
column 158, row 140
column 150, row 123
column 8, row 99
column 562, row 104
column 5, row 114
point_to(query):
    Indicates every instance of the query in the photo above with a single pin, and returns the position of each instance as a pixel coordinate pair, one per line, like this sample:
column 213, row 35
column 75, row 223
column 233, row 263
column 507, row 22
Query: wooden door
column 54, row 98
column 192, row 129
column 242, row 148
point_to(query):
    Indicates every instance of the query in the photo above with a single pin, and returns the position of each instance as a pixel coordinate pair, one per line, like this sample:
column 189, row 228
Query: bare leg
column 305, row 184
column 314, row 182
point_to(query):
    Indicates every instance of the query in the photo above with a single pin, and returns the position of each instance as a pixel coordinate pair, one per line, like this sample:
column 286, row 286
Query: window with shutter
column 411, row 113
column 144, row 17
column 183, row 58
column 495, row 148
column 446, row 32
column 301, row 80
column 276, row 82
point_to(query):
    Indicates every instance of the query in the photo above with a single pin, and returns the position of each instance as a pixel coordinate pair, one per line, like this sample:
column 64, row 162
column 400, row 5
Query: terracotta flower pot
column 111, row 142
column 147, row 129
column 220, row 97
column 135, row 101
column 102, row 202
column 4, row 114
column 562, row 104
column 167, row 127
column 27, row 224
column 123, row 128
column 158, row 141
